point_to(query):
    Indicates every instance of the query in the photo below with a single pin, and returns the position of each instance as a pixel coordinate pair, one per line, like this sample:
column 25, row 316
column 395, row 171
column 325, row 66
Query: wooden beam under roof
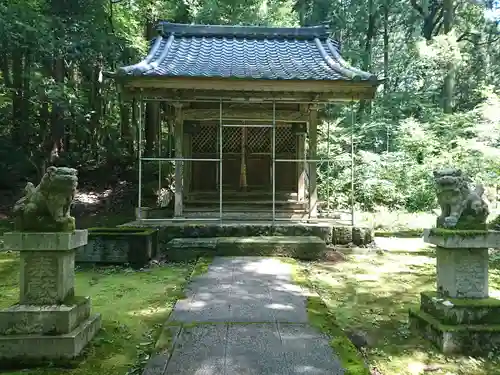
column 174, row 95
column 331, row 88
column 244, row 114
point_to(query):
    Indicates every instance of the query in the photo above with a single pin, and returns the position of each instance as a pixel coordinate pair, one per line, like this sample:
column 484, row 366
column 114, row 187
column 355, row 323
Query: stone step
column 239, row 195
column 301, row 247
column 251, row 204
column 247, row 215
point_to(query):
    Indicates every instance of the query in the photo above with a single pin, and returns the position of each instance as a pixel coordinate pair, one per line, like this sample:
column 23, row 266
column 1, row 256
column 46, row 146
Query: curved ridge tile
column 152, row 65
column 346, row 65
column 333, row 64
column 140, row 66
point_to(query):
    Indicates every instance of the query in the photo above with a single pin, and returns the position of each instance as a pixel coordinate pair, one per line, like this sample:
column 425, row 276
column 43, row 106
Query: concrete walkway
column 245, row 317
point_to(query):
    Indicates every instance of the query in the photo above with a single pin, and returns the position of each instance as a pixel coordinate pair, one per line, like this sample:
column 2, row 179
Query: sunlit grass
column 133, row 305
column 384, row 219
column 372, row 293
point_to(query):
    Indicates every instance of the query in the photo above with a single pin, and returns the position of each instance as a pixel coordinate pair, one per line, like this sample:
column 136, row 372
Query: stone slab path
column 245, row 317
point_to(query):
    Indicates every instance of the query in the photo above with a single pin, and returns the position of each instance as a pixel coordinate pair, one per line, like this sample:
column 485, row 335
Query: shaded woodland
column 439, row 103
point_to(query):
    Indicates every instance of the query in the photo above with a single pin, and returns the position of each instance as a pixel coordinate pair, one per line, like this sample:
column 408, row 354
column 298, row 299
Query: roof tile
column 229, row 52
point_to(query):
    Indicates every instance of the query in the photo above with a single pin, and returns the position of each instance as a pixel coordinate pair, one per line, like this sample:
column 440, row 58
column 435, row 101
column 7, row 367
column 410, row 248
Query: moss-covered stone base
column 34, row 349
column 307, row 248
column 455, row 311
column 458, row 325
column 44, row 320
column 135, row 246
column 456, row 339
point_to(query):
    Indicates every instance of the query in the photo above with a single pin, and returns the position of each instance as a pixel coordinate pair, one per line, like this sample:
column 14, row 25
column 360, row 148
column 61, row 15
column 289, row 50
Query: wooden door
column 204, row 146
column 286, row 149
column 258, row 146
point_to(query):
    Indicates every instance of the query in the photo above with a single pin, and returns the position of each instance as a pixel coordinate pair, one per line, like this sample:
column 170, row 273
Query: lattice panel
column 204, row 140
column 285, row 140
column 231, row 140
column 258, row 140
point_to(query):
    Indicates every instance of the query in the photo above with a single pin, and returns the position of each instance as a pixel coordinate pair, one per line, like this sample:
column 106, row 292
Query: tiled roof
column 250, row 52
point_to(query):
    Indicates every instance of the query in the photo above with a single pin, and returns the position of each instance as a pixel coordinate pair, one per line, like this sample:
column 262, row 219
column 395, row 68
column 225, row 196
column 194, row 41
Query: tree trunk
column 26, row 103
column 96, row 105
column 43, row 122
column 151, row 128
column 4, row 65
column 432, row 14
column 151, row 122
column 125, row 126
column 449, row 79
column 17, row 97
column 57, row 125
column 365, row 107
column 386, row 47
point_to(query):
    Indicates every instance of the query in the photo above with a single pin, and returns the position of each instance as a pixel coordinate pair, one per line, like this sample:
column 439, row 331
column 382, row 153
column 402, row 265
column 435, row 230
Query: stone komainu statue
column 461, row 207
column 46, row 207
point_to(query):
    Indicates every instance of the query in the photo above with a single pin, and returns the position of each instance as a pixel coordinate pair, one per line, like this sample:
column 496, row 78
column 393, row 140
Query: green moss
column 410, row 233
column 132, row 231
column 74, row 300
column 467, row 302
column 6, row 226
column 43, row 223
column 457, row 232
column 165, row 341
column 453, row 328
column 322, row 318
column 69, row 301
column 201, row 266
column 495, row 223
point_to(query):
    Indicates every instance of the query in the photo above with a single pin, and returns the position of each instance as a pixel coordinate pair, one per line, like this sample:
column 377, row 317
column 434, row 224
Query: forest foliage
column 439, row 103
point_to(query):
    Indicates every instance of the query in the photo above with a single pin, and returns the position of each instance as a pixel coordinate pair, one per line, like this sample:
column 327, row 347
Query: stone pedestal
column 49, row 322
column 460, row 317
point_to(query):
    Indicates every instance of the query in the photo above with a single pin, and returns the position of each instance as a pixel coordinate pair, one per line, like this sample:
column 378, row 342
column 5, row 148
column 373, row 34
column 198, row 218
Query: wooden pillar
column 301, row 167
column 179, row 140
column 313, row 139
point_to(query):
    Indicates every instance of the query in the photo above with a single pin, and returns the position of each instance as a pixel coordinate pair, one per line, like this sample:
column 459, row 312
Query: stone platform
column 300, row 247
column 39, row 347
column 328, row 231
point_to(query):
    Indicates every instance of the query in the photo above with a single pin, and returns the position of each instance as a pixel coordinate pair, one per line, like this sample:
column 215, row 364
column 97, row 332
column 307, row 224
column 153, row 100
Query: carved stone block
column 462, row 261
column 47, row 277
column 46, row 241
column 462, row 273
column 35, row 347
column 47, row 265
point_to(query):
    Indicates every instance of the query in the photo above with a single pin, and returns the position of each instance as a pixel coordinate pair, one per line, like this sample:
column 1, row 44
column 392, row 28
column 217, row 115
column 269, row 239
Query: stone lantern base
column 49, row 322
column 460, row 317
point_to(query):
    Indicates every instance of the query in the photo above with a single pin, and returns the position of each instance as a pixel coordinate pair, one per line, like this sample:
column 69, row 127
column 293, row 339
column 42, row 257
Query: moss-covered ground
column 409, row 233
column 133, row 304
column 371, row 293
